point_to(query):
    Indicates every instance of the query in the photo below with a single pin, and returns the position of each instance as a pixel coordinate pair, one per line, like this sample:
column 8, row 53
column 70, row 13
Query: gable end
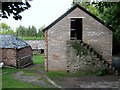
column 70, row 10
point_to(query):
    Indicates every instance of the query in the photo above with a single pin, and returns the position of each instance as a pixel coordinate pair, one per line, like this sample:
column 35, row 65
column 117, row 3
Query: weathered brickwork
column 9, row 56
column 46, row 51
column 25, row 52
column 94, row 33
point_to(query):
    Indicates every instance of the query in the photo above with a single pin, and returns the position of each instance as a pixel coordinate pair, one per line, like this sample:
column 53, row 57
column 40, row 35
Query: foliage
column 108, row 12
column 5, row 29
column 40, row 31
column 79, row 48
column 14, row 8
column 102, row 6
column 22, row 31
column 101, row 72
column 89, row 7
column 38, row 58
column 32, row 38
column 111, row 17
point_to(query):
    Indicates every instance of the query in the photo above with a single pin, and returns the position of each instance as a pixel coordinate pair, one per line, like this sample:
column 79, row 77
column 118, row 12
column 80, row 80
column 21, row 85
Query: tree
column 40, row 31
column 109, row 13
column 89, row 7
column 33, row 31
column 15, row 8
column 21, row 31
column 5, row 29
column 111, row 16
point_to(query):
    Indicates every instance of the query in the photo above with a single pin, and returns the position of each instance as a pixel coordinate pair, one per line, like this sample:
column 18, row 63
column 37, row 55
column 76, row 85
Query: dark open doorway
column 76, row 28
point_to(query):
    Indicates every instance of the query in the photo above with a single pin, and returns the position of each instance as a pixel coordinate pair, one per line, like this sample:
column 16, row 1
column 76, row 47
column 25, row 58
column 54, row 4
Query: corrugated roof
column 11, row 41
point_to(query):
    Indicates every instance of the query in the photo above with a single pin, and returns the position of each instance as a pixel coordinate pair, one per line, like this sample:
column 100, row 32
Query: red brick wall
column 46, row 51
column 9, row 56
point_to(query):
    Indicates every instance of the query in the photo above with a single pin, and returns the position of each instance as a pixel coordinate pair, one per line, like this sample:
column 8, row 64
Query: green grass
column 32, row 38
column 9, row 82
column 53, row 74
column 38, row 58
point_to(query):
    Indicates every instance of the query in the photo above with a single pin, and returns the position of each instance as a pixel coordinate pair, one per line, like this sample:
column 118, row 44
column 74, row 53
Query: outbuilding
column 15, row 52
column 80, row 23
column 38, row 46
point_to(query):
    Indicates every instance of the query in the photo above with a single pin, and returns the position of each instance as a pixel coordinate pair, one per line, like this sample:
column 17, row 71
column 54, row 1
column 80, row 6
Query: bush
column 101, row 72
column 79, row 48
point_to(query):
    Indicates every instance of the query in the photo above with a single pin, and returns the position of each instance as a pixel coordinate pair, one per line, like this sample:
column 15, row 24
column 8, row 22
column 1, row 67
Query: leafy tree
column 40, row 31
column 89, row 7
column 14, row 8
column 33, row 31
column 21, row 31
column 111, row 16
column 5, row 29
column 109, row 13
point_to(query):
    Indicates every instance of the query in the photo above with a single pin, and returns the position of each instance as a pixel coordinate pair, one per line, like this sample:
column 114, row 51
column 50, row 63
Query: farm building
column 38, row 46
column 88, row 29
column 15, row 52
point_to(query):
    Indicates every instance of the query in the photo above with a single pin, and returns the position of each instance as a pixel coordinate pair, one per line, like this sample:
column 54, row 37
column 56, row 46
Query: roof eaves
column 96, row 18
column 61, row 17
column 70, row 10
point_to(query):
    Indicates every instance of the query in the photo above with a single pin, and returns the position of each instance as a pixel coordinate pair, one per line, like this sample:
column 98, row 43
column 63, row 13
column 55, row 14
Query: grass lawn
column 38, row 58
column 9, row 82
column 53, row 74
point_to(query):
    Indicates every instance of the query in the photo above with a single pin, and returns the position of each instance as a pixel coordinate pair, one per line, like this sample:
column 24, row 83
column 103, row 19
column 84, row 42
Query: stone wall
column 84, row 63
column 94, row 34
column 25, row 52
column 9, row 56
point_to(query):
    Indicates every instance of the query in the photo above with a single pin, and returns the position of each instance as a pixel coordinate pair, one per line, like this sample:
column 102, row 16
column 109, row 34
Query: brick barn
column 87, row 27
column 15, row 52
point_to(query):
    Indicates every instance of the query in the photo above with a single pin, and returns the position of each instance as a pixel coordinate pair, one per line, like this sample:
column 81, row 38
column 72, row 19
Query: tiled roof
column 11, row 41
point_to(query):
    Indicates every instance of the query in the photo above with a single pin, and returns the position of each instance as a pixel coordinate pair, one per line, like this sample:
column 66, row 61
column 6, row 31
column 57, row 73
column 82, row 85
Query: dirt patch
column 88, row 82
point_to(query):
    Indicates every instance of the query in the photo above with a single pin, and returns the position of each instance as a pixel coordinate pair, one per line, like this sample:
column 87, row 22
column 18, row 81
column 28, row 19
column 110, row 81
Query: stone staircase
column 99, row 57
